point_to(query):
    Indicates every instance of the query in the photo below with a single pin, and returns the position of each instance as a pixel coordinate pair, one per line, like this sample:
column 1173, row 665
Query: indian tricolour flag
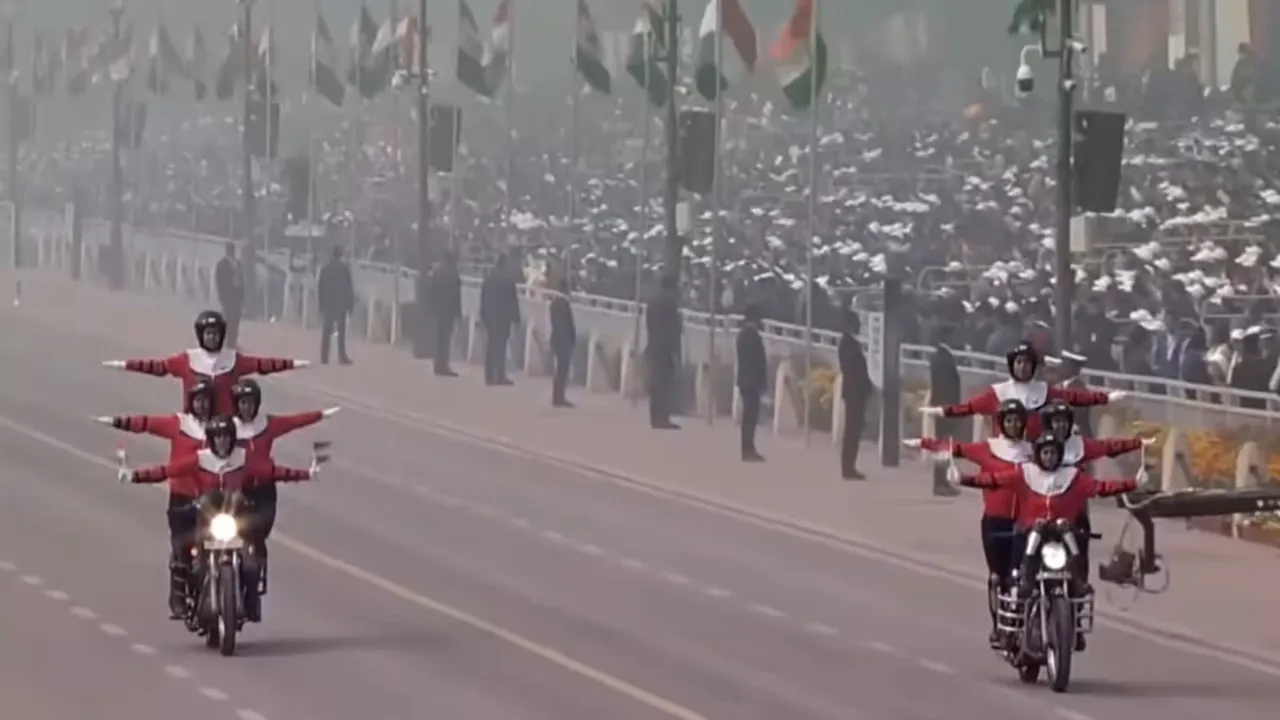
column 723, row 19
column 800, row 55
column 588, row 56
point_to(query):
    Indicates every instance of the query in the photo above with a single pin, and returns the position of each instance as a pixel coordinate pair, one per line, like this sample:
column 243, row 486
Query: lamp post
column 675, row 243
column 14, row 141
column 249, row 265
column 116, row 275
column 422, row 340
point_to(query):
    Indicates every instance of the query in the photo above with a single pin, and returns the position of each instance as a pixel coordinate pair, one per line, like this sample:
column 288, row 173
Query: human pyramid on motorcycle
column 221, row 477
column 1035, row 524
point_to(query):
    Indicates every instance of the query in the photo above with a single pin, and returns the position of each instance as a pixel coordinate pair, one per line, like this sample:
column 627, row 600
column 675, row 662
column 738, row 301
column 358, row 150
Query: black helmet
column 247, row 388
column 1043, row 442
column 1023, row 350
column 201, row 389
column 1056, row 411
column 1011, row 407
column 220, row 426
column 211, row 320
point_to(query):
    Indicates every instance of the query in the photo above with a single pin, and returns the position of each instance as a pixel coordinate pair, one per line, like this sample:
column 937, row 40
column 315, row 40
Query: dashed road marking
column 717, row 592
column 1070, row 714
column 113, row 630
column 592, row 550
column 7, row 566
column 766, row 610
column 250, row 715
column 177, row 672
column 32, row 580
column 553, row 536
column 520, row 523
column 881, row 647
column 934, row 666
column 817, row 628
column 214, row 694
column 142, row 649
column 676, row 578
column 83, row 613
column 633, row 563
column 57, row 595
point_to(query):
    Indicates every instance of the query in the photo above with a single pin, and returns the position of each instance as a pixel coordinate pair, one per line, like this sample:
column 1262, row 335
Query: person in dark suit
column 944, row 389
column 446, row 308
column 228, row 278
column 662, row 324
column 564, row 337
column 856, row 390
column 753, row 378
column 337, row 301
column 499, row 312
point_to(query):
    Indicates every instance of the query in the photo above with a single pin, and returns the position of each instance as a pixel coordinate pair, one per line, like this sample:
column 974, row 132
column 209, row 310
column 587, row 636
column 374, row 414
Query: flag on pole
column 498, row 54
column 324, row 64
column 198, row 63
column 471, row 52
column 800, row 55
column 589, row 54
column 723, row 19
column 232, row 66
column 648, row 45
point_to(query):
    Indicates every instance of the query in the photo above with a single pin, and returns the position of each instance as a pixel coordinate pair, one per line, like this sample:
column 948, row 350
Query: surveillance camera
column 1025, row 79
column 1078, row 47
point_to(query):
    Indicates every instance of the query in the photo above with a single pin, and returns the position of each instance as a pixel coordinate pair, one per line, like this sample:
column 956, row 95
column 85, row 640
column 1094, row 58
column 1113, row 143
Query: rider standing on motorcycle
column 1023, row 362
column 211, row 361
column 219, row 464
column 994, row 455
column 184, row 431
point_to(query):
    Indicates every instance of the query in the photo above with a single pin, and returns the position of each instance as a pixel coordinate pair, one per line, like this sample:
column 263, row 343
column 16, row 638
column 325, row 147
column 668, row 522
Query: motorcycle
column 224, row 576
column 1038, row 618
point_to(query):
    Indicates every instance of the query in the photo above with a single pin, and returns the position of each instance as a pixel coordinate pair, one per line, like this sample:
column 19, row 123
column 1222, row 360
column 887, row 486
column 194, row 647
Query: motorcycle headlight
column 223, row 527
column 1053, row 556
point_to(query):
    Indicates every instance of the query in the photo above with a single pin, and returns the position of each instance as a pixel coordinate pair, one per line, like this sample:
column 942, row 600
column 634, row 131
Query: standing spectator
column 662, row 324
column 446, row 308
column 944, row 389
column 499, row 312
column 855, row 392
column 228, row 277
column 337, row 301
column 753, row 379
column 564, row 337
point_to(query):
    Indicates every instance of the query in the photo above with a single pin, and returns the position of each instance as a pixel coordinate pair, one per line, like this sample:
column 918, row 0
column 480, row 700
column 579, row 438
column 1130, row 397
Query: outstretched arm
column 255, row 365
column 989, row 480
column 1108, row 488
column 159, row 473
column 1109, row 447
column 1084, row 398
column 158, row 367
column 986, row 403
column 284, row 424
column 161, row 426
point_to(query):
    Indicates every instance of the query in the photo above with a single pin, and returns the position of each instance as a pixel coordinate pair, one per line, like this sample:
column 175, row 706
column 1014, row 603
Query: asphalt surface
column 424, row 577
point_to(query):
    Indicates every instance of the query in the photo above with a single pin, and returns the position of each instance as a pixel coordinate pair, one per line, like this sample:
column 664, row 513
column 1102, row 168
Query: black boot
column 177, row 591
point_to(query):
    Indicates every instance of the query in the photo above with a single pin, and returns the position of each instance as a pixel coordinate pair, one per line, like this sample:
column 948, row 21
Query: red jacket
column 994, row 455
column 1078, row 449
column 209, row 472
column 259, row 437
column 185, row 432
column 1033, row 395
column 1063, row 493
column 222, row 368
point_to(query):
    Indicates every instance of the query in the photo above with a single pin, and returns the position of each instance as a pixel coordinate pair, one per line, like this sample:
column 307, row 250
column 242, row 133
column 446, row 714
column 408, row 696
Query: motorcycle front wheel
column 227, row 603
column 1061, row 643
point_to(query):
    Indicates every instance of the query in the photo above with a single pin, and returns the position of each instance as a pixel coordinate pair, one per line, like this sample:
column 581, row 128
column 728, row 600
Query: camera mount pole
column 1064, row 275
column 423, row 325
column 675, row 243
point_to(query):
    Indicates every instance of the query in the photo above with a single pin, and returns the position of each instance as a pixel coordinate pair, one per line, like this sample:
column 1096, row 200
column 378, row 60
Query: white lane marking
column 717, row 592
column 485, row 511
column 250, row 715
column 113, row 630
column 142, row 649
column 766, row 610
column 881, row 647
column 1070, row 714
column 589, row 549
column 214, row 694
column 83, row 613
column 934, row 666
column 177, row 671
column 448, row 501
column 57, row 595
column 676, row 578
column 633, row 563
column 32, row 580
column 7, row 566
column 817, row 628
column 553, row 536
column 520, row 523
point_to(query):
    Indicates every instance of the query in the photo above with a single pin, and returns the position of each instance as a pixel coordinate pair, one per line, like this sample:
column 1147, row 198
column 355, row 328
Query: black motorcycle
column 1039, row 619
column 224, row 576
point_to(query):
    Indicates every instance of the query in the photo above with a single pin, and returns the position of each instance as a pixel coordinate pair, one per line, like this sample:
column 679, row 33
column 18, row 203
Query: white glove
column 330, row 412
column 1117, row 395
column 931, row 411
column 117, row 364
column 299, row 364
column 1142, row 478
column 1148, row 441
column 953, row 474
column 913, row 443
column 314, row 470
column 123, row 473
column 105, row 420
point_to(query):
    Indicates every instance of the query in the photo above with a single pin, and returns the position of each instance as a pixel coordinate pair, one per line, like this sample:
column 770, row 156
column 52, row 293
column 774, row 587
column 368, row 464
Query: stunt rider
column 998, row 454
column 257, row 434
column 210, row 360
column 184, row 431
column 219, row 464
column 1023, row 362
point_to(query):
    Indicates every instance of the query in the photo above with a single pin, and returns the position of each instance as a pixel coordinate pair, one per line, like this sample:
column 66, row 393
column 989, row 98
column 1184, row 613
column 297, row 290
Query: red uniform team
column 220, row 439
column 1032, row 468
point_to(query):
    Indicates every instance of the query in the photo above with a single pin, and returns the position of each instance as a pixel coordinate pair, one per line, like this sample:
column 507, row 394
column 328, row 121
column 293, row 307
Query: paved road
column 425, row 576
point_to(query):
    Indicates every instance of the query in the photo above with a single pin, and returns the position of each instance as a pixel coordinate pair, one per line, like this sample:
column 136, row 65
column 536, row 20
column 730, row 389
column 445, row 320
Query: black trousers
column 262, row 517
column 183, row 522
column 662, row 375
column 997, row 545
column 855, row 413
column 750, row 419
column 232, row 314
column 497, row 337
column 442, row 353
column 329, row 325
column 562, row 358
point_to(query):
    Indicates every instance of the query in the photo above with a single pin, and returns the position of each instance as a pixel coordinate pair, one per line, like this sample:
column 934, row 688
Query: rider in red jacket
column 184, row 431
column 221, row 464
column 1023, row 363
column 211, row 361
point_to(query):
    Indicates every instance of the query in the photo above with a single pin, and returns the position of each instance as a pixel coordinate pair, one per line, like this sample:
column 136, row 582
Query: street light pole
column 675, row 244
column 116, row 276
column 422, row 341
column 1064, row 275
column 249, row 263
column 14, row 142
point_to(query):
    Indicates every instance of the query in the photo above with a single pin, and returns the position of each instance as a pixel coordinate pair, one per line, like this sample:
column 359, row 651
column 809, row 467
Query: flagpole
column 713, row 295
column 642, row 247
column 268, row 162
column 811, row 227
column 574, row 98
column 311, row 154
column 508, row 101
